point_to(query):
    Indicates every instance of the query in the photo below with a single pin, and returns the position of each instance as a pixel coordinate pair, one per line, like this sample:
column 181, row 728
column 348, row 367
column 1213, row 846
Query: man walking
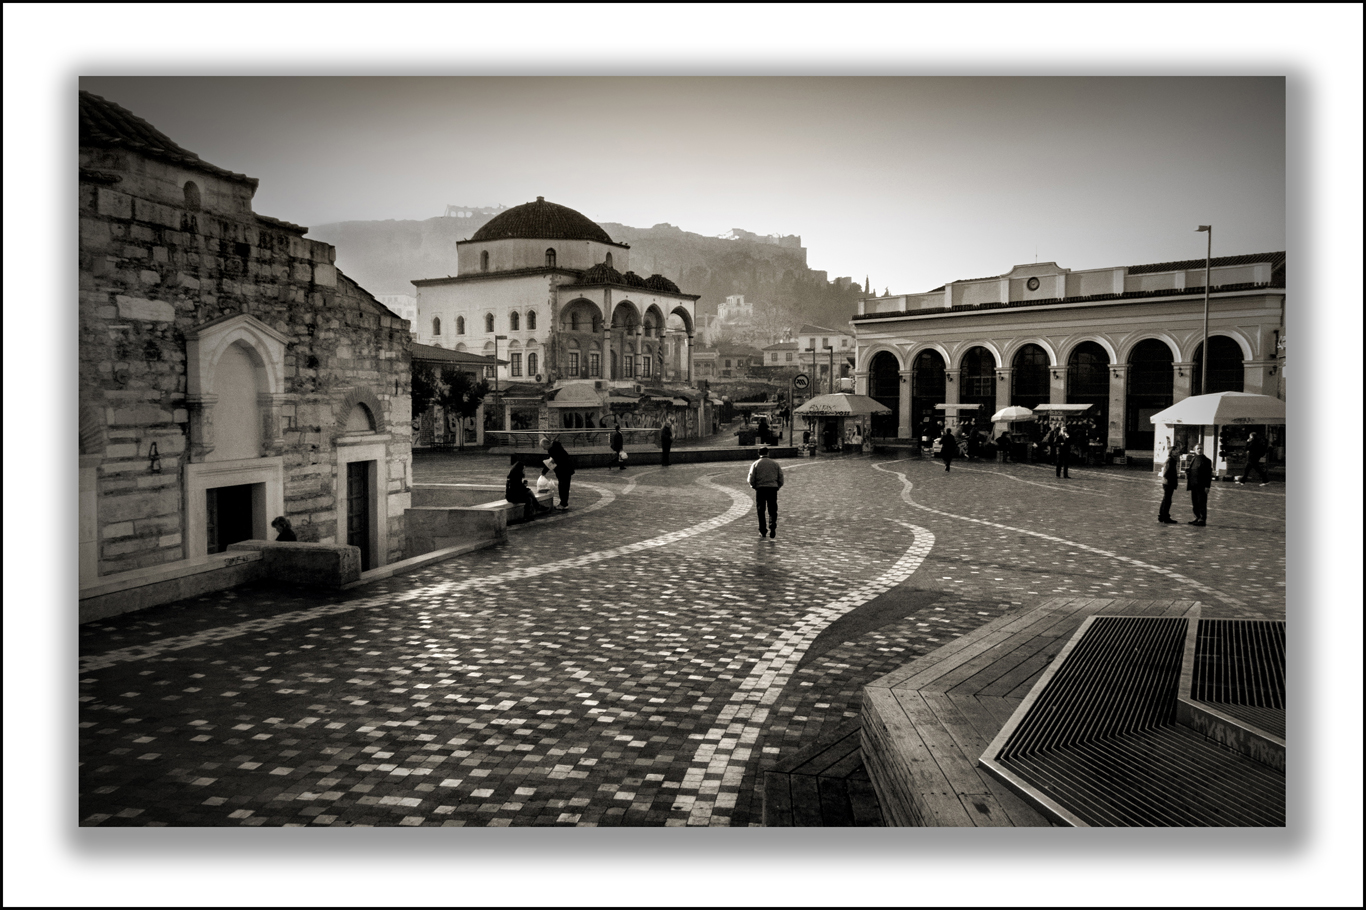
column 1171, row 475
column 948, row 447
column 563, row 468
column 766, row 478
column 617, row 444
column 1256, row 449
column 1199, row 477
column 1062, row 451
column 666, row 441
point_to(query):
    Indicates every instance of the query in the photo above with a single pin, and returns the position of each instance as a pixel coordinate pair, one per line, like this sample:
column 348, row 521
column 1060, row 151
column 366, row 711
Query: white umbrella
column 1223, row 408
column 842, row 404
column 1012, row 414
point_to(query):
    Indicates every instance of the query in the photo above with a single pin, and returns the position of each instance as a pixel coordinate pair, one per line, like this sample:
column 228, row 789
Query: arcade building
column 1126, row 340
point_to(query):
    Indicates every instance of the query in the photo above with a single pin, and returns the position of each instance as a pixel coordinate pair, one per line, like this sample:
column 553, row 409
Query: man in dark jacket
column 948, row 448
column 564, row 467
column 766, row 478
column 1171, row 476
column 1256, row 449
column 617, row 443
column 1199, row 478
column 666, row 441
column 1062, row 451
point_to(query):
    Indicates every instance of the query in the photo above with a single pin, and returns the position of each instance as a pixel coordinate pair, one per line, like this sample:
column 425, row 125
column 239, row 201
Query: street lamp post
column 1208, row 231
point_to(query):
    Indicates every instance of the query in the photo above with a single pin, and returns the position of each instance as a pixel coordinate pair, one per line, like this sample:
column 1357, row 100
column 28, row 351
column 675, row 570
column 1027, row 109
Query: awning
column 1061, row 408
column 958, row 407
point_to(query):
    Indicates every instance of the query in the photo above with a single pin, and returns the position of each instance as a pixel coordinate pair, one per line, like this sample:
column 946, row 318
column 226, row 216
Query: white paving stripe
column 712, row 783
column 740, row 505
column 1174, row 576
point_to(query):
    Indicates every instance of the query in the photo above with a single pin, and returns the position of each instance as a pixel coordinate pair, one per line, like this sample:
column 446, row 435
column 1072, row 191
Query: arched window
column 1225, row 366
column 608, row 260
column 550, row 259
column 514, row 322
column 1029, row 375
column 574, row 321
column 436, row 325
column 1088, row 382
column 1149, row 390
column 460, row 325
column 531, row 320
column 488, row 322
column 191, row 196
column 531, row 364
column 484, row 261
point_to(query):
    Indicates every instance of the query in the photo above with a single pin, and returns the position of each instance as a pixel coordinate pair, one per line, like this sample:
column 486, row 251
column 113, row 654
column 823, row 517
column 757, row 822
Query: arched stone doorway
column 1225, row 366
column 884, row 387
column 1088, row 382
column 1149, row 391
column 927, row 390
column 978, row 378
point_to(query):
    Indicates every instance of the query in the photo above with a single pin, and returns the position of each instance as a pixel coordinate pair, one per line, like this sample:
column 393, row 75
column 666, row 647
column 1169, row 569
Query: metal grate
column 1240, row 662
column 1121, row 678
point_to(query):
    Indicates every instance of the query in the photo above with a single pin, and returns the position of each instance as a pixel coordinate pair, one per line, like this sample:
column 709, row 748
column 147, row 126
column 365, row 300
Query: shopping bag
column 621, row 456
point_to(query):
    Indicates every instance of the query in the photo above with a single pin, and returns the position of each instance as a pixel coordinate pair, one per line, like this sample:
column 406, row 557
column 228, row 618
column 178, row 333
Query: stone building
column 545, row 289
column 1127, row 341
column 228, row 374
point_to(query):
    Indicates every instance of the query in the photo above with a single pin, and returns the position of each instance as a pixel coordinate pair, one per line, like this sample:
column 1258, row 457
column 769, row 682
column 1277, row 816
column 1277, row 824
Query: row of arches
column 490, row 323
column 1085, row 373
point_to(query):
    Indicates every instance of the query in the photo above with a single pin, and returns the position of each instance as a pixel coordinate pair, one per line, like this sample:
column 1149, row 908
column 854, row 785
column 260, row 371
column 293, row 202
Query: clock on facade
column 1032, row 284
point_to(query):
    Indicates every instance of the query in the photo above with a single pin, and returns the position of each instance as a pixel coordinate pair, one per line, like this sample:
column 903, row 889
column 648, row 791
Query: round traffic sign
column 801, row 381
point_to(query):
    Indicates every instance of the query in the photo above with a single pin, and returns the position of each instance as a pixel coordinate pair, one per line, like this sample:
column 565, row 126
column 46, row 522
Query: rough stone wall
column 152, row 268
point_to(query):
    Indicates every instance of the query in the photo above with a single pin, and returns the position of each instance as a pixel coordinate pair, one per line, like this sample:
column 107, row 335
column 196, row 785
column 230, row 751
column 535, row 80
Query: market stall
column 1198, row 419
column 1019, row 443
column 835, row 417
column 1080, row 422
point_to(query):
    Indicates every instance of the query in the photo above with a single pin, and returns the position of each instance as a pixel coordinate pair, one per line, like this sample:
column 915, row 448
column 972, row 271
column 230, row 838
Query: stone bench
column 318, row 565
column 451, row 515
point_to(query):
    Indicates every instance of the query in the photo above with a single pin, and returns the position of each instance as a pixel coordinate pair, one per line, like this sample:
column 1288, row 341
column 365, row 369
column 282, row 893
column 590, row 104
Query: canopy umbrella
column 1223, row 408
column 841, row 404
column 1012, row 414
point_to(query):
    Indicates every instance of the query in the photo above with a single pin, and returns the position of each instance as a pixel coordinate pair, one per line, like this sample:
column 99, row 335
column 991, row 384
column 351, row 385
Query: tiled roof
column 660, row 283
column 540, row 220
column 810, row 329
column 104, row 124
column 1277, row 260
column 602, row 273
column 782, row 346
column 633, row 279
column 432, row 352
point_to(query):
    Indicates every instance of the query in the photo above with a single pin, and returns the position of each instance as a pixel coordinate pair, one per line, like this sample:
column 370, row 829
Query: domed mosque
column 549, row 293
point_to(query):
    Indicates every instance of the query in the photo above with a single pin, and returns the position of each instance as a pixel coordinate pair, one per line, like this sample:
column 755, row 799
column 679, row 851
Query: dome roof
column 660, row 283
column 541, row 220
column 633, row 280
column 602, row 273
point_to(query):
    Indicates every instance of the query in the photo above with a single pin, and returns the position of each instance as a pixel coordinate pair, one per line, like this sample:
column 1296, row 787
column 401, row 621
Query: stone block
column 143, row 504
column 180, row 415
column 147, row 276
column 159, row 254
column 170, row 540
column 139, row 415
column 114, row 204
column 123, row 450
column 107, row 312
column 141, row 308
column 187, row 281
column 317, row 565
column 325, row 275
column 118, row 529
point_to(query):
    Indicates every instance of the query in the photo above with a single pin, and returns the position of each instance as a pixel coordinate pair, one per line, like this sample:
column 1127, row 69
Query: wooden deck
column 925, row 725
column 824, row 785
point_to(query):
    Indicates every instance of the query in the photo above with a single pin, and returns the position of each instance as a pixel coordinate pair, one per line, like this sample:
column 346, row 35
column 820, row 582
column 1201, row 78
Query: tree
column 462, row 395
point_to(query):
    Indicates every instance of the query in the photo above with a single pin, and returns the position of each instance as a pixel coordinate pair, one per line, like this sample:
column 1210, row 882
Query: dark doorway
column 1150, row 391
column 884, row 387
column 927, row 390
column 978, row 377
column 1225, row 367
column 358, row 509
column 1088, row 382
column 230, row 516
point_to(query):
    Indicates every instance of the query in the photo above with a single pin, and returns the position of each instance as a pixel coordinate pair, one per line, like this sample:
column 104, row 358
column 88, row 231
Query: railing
column 570, row 439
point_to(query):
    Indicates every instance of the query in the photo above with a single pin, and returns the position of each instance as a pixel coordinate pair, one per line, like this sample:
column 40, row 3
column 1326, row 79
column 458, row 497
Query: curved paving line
column 740, row 505
column 711, row 784
column 1168, row 573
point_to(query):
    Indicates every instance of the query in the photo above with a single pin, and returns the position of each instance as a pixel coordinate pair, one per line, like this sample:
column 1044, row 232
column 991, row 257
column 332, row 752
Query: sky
column 908, row 181
column 913, row 187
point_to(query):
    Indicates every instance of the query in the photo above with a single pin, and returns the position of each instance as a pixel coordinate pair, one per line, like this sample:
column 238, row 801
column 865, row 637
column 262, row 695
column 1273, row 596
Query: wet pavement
column 639, row 660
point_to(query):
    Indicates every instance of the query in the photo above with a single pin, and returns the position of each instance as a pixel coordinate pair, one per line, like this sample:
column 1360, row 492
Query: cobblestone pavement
column 638, row 660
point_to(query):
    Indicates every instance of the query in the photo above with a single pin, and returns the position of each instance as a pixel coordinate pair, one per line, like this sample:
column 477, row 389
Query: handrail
column 531, row 439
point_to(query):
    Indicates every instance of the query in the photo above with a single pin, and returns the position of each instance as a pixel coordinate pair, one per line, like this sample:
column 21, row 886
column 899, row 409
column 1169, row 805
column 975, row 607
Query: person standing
column 1003, row 446
column 1171, row 477
column 285, row 529
column 1256, row 450
column 666, row 441
column 617, row 444
column 766, row 479
column 948, row 447
column 563, row 467
column 1199, row 478
column 1062, row 451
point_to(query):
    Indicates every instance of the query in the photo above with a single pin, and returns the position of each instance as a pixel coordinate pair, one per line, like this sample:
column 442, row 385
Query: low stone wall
column 143, row 588
column 317, row 565
column 438, row 527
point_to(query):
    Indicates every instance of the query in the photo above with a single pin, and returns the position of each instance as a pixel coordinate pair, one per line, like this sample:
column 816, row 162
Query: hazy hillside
column 385, row 256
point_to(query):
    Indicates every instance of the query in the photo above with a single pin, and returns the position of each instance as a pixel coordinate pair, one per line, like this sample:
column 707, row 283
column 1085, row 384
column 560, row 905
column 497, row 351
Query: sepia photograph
column 735, row 447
